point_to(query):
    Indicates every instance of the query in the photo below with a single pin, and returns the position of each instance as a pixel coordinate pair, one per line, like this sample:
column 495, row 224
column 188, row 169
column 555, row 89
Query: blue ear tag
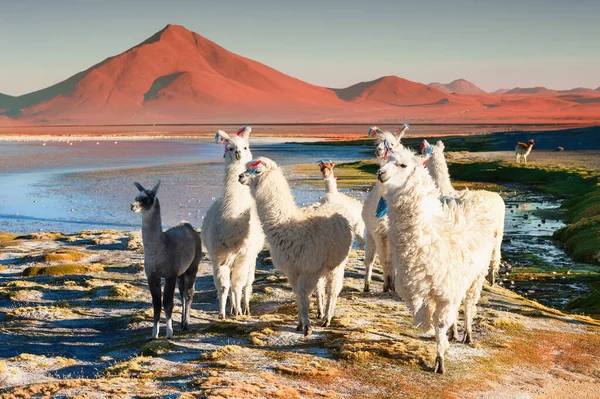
column 430, row 150
column 382, row 208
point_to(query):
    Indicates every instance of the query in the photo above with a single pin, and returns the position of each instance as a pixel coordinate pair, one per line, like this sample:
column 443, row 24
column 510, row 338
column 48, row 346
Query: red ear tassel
column 425, row 161
column 254, row 165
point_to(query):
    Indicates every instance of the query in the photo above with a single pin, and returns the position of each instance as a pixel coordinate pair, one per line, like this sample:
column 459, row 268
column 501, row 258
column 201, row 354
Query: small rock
column 560, row 149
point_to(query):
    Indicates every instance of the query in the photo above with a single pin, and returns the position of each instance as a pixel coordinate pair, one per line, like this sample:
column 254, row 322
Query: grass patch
column 220, row 353
column 61, row 270
column 157, row 347
column 474, row 143
column 43, row 361
column 8, row 239
column 63, row 255
column 45, row 236
column 137, row 367
column 122, row 290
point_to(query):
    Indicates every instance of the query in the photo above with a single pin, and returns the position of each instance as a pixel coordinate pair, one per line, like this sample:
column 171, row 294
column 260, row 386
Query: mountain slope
column 391, row 90
column 459, row 86
column 194, row 75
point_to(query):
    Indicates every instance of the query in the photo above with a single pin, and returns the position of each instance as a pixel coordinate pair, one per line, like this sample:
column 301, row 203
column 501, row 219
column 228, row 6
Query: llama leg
column 182, row 292
column 168, row 303
column 306, row 285
column 453, row 331
column 154, row 284
column 334, row 287
column 370, row 250
column 222, row 283
column 189, row 278
column 471, row 299
column 496, row 258
column 321, row 298
column 444, row 316
column 386, row 265
column 247, row 291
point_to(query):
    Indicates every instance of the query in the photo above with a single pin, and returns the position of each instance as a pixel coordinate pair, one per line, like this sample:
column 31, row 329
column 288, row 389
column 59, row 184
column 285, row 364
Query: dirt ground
column 84, row 334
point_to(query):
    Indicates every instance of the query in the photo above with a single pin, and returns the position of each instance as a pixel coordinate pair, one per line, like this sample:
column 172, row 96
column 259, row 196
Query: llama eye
column 403, row 165
column 245, row 148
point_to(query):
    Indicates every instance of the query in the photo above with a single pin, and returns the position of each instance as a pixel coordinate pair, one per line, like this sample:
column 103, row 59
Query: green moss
column 582, row 236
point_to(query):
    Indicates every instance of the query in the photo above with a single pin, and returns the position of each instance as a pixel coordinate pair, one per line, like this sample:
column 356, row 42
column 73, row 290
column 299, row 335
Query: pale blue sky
column 495, row 44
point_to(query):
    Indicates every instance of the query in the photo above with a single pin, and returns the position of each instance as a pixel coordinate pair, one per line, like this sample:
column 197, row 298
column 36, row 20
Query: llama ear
column 423, row 149
column 155, row 189
column 244, row 132
column 440, row 144
column 221, row 136
column 139, row 186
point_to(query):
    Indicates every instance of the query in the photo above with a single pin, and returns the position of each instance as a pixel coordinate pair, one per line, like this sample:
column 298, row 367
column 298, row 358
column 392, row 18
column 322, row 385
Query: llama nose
column 238, row 155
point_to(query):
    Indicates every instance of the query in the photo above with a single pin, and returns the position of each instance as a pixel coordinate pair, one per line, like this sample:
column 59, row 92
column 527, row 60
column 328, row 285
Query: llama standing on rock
column 306, row 243
column 374, row 214
column 333, row 196
column 173, row 255
column 438, row 169
column 522, row 150
column 231, row 230
column 441, row 253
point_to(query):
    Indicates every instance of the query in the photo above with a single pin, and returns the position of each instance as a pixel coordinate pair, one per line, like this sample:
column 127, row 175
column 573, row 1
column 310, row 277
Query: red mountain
column 459, row 86
column 177, row 76
column 391, row 90
column 175, row 73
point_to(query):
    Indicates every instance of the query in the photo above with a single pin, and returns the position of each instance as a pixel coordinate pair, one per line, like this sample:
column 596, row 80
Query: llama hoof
column 319, row 315
column 467, row 338
column 299, row 327
column 491, row 279
column 439, row 365
column 326, row 323
column 221, row 317
column 184, row 326
column 367, row 288
column 307, row 331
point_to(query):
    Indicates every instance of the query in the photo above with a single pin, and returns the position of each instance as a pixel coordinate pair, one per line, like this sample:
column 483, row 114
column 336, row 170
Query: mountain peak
column 459, row 86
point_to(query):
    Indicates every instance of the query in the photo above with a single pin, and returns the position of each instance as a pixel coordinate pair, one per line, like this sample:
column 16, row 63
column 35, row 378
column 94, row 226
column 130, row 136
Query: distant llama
column 231, row 231
column 333, row 196
column 522, row 150
column 306, row 243
column 172, row 255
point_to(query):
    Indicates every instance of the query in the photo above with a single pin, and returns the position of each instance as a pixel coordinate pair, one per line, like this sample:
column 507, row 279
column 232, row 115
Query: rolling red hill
column 178, row 76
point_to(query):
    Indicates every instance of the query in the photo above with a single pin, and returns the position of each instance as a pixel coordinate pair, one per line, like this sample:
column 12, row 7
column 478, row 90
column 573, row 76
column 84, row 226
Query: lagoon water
column 88, row 185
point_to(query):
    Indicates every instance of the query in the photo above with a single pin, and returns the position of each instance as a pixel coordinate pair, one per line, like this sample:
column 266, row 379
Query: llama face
column 326, row 169
column 237, row 148
column 145, row 199
column 256, row 170
column 401, row 163
column 385, row 143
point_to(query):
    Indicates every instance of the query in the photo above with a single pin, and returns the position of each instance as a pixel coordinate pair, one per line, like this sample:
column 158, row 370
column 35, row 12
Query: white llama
column 441, row 253
column 333, row 196
column 231, row 230
column 522, row 150
column 438, row 169
column 374, row 214
column 306, row 243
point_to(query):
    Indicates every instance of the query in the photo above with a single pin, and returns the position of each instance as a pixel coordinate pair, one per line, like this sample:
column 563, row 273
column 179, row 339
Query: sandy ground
column 85, row 334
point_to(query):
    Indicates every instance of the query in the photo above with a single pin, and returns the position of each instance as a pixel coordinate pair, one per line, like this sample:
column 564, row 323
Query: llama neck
column 274, row 201
column 152, row 234
column 330, row 185
column 438, row 168
column 419, row 198
column 236, row 196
